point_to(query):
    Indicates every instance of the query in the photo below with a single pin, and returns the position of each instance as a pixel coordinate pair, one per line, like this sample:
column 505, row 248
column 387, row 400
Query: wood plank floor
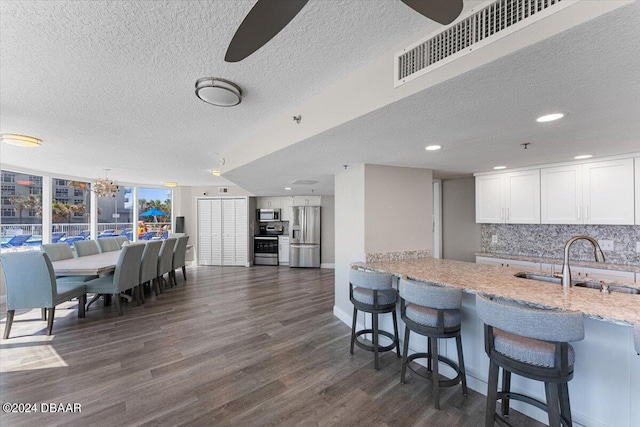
column 231, row 347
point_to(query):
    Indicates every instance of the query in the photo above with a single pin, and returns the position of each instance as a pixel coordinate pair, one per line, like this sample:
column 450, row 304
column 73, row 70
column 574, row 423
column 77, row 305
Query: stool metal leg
column 353, row 328
column 405, row 354
column 395, row 330
column 375, row 339
column 463, row 372
column 492, row 394
column 553, row 409
column 506, row 388
column 436, row 376
column 565, row 406
column 429, row 365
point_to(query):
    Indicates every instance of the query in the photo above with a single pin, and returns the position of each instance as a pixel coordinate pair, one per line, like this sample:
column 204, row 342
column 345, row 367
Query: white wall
column 327, row 230
column 461, row 236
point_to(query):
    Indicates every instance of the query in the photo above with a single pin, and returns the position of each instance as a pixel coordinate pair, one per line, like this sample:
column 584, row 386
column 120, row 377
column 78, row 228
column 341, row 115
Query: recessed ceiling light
column 499, row 167
column 583, row 156
column 432, row 147
column 20, row 140
column 549, row 117
column 170, row 184
column 287, row 188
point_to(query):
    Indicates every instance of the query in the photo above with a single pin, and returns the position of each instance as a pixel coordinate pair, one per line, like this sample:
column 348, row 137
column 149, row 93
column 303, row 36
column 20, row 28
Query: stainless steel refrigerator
column 304, row 234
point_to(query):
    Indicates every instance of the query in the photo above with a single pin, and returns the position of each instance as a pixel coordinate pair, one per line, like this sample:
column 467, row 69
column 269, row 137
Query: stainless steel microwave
column 268, row 215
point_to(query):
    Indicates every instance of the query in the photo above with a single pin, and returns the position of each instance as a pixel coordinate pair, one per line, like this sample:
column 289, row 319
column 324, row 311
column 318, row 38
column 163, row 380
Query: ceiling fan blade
column 262, row 23
column 441, row 11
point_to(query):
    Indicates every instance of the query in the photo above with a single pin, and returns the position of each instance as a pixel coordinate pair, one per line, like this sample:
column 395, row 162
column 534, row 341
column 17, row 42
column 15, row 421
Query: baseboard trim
column 328, row 265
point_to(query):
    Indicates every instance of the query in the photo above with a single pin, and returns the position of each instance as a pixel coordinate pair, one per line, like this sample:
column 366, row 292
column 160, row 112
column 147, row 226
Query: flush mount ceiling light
column 432, row 147
column 170, row 184
column 549, row 117
column 583, row 156
column 499, row 167
column 215, row 172
column 20, row 140
column 219, row 92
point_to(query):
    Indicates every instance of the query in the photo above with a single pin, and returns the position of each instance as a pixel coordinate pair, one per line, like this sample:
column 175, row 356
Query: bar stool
column 432, row 311
column 533, row 343
column 373, row 293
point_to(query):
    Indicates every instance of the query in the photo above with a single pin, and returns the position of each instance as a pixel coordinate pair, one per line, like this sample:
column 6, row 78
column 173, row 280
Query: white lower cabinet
column 222, row 231
column 283, row 250
column 524, row 265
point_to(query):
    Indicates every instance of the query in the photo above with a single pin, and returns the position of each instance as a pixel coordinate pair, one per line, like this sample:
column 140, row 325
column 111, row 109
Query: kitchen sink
column 579, row 283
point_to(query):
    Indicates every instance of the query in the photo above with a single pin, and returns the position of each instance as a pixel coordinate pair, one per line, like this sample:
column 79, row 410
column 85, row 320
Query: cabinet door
column 608, row 192
column 204, row 232
column 283, row 249
column 489, row 199
column 241, row 249
column 606, row 275
column 306, row 201
column 285, row 208
column 561, row 195
column 268, row 202
column 228, row 232
column 522, row 193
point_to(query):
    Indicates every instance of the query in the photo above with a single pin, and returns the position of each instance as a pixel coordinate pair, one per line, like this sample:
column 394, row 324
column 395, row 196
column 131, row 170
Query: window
column 70, row 215
column 154, row 207
column 21, row 207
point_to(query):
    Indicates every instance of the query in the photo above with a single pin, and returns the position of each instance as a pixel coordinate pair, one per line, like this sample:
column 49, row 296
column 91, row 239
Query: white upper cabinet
column 306, row 201
column 561, row 192
column 637, row 191
column 592, row 193
column 511, row 198
column 285, row 208
column 607, row 192
column 268, row 202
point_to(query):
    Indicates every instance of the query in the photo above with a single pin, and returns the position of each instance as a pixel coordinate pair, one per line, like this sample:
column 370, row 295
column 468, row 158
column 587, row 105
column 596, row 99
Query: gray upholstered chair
column 373, row 293
column 432, row 311
column 179, row 258
column 58, row 252
column 31, row 283
column 86, row 247
column 108, row 244
column 121, row 240
column 149, row 266
column 533, row 343
column 165, row 261
column 125, row 277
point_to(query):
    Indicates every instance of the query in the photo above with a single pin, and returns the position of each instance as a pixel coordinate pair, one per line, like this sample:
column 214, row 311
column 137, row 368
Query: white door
column 228, row 232
column 204, row 232
column 561, row 195
column 240, row 232
column 608, row 192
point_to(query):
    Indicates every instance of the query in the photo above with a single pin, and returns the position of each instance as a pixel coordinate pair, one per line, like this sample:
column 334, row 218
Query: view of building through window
column 70, row 208
column 21, row 219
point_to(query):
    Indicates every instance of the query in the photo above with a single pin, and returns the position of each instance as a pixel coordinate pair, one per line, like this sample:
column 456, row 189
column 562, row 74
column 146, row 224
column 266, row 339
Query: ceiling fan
column 268, row 17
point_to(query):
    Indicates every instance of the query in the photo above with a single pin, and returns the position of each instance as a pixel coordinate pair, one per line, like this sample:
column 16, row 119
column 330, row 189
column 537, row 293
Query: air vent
column 483, row 26
column 223, row 190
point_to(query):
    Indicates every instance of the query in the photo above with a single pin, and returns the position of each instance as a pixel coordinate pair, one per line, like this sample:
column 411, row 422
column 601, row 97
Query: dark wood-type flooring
column 233, row 346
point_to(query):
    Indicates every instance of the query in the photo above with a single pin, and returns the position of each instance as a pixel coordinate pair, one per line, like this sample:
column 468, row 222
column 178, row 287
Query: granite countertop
column 559, row 261
column 619, row 308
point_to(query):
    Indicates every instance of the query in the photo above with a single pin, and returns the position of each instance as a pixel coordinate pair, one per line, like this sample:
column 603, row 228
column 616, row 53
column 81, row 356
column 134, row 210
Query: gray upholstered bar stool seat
column 373, row 293
column 533, row 343
column 432, row 311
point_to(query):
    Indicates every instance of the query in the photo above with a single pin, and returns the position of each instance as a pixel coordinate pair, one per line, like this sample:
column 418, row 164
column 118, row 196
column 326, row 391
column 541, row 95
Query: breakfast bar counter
column 615, row 307
column 606, row 384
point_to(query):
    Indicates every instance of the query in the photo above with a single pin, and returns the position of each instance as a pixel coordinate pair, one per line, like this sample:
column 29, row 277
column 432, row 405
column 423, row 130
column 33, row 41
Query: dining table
column 101, row 264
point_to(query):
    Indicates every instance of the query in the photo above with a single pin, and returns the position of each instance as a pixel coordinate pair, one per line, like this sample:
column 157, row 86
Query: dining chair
column 179, row 258
column 108, row 244
column 121, row 240
column 86, row 247
column 125, row 277
column 58, row 252
column 149, row 267
column 165, row 261
column 31, row 283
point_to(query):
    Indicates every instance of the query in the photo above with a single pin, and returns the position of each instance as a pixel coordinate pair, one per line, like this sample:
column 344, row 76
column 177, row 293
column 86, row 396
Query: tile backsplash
column 546, row 240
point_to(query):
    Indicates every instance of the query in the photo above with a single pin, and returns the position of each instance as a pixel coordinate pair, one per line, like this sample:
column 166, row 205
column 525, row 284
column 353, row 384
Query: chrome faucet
column 566, row 270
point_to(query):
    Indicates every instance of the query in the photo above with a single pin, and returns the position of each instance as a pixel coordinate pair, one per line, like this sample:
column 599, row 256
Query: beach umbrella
column 154, row 212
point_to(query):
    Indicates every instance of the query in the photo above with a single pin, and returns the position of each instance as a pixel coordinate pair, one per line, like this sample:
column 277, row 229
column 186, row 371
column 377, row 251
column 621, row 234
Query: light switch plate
column 606, row 245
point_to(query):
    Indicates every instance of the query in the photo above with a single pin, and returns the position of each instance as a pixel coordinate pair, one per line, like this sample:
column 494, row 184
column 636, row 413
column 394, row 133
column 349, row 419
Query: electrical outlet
column 606, row 245
column 494, row 239
column 638, row 247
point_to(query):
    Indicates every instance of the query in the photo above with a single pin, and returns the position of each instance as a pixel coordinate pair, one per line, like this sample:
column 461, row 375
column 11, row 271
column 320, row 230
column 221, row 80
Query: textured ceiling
column 110, row 85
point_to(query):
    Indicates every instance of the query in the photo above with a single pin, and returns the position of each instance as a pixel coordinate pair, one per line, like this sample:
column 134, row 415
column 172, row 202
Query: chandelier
column 104, row 187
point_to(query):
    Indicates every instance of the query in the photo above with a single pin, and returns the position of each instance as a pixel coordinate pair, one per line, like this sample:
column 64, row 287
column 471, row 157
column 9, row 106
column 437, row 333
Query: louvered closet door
column 204, row 233
column 216, row 232
column 240, row 232
column 228, row 232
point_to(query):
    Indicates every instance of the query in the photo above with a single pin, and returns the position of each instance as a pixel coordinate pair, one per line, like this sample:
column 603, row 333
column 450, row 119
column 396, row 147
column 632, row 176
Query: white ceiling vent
column 478, row 28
